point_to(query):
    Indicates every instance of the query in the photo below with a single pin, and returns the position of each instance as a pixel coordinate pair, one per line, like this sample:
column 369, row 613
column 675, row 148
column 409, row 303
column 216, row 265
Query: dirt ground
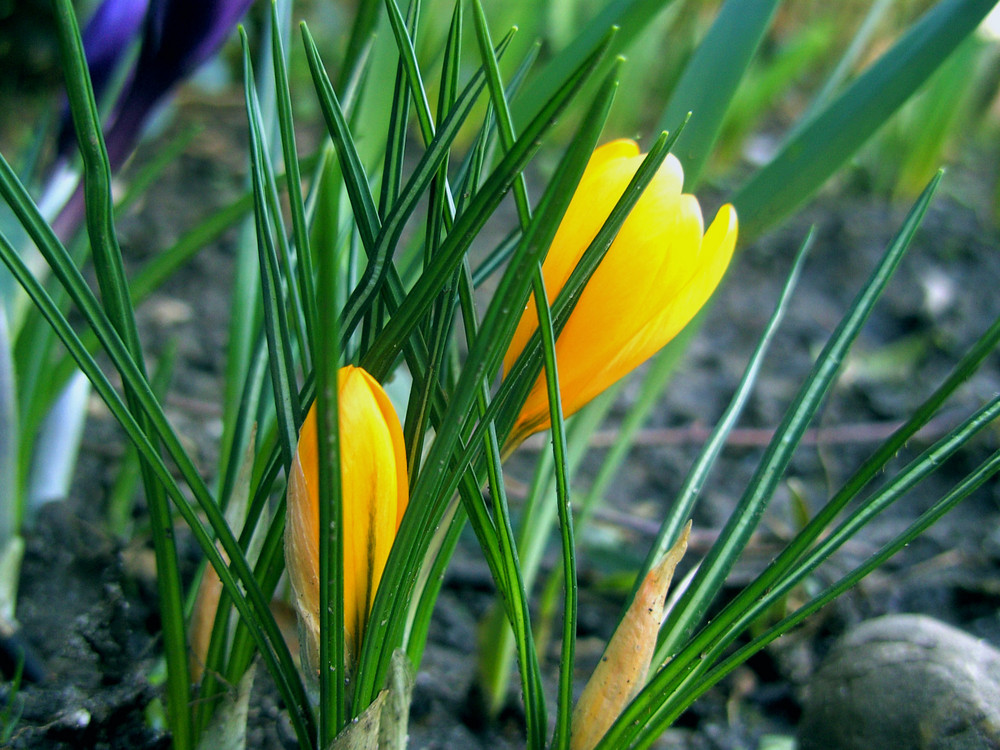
column 87, row 602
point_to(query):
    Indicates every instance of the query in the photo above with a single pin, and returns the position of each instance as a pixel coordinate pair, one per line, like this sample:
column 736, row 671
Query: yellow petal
column 610, row 169
column 655, row 276
column 374, row 496
column 676, row 311
column 590, row 349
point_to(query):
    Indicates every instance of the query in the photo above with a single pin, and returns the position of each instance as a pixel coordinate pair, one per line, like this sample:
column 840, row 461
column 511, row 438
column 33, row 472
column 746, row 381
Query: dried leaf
column 623, row 667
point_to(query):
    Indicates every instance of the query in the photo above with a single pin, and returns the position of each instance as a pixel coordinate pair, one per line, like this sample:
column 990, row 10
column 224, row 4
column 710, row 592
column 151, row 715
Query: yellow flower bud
column 374, row 496
column 659, row 271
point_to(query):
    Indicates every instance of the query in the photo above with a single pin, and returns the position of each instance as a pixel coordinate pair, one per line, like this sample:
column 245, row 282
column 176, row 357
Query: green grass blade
column 246, row 312
column 716, row 638
column 380, row 269
column 382, row 354
column 817, row 150
column 629, row 17
column 710, row 78
column 121, row 496
column 358, row 191
column 355, row 178
column 110, row 272
column 687, row 496
column 560, row 464
column 595, row 118
column 303, row 251
column 538, row 517
column 252, row 604
column 515, row 598
column 409, row 69
column 268, row 571
column 279, row 340
column 733, row 538
column 11, row 489
column 333, row 677
column 439, row 325
column 818, row 526
column 470, row 172
column 966, row 487
column 454, row 522
column 395, row 147
column 435, row 484
column 501, row 110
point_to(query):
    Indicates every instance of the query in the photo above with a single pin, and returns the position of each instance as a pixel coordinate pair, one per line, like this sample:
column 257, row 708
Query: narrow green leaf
column 282, row 367
column 121, row 496
column 440, row 550
column 560, row 464
column 11, row 489
column 303, row 252
column 710, row 80
column 252, row 605
column 434, row 487
column 816, row 151
column 409, row 69
column 353, row 170
column 515, row 597
column 380, row 269
column 793, row 564
column 110, row 272
column 712, row 572
column 439, row 216
column 380, row 357
column 332, row 648
column 501, row 110
column 395, row 147
column 702, row 683
column 746, row 515
column 629, row 17
column 683, row 505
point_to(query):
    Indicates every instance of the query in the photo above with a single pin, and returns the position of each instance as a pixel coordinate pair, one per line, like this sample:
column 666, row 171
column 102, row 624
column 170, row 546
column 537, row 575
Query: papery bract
column 659, row 271
column 374, row 496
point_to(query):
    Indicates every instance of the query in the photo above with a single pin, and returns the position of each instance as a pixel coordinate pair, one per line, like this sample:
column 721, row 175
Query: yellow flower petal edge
column 374, row 496
column 658, row 273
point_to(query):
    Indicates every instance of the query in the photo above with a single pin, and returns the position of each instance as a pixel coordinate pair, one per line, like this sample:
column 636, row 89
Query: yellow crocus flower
column 659, row 271
column 374, row 496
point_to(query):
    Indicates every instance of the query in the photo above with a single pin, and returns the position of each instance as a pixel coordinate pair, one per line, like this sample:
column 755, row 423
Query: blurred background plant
column 783, row 97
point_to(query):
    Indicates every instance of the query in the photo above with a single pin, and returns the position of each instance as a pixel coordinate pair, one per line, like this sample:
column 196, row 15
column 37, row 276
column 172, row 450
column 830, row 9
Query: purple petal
column 107, row 36
column 179, row 36
column 182, row 34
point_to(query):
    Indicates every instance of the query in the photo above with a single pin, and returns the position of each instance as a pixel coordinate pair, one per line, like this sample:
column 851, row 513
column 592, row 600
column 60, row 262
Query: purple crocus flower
column 177, row 37
column 107, row 36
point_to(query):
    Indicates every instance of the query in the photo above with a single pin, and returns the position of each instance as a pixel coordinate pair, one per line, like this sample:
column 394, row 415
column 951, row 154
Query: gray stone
column 904, row 681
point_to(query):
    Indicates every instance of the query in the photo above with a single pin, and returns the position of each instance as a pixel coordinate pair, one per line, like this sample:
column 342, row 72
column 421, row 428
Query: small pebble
column 904, row 681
